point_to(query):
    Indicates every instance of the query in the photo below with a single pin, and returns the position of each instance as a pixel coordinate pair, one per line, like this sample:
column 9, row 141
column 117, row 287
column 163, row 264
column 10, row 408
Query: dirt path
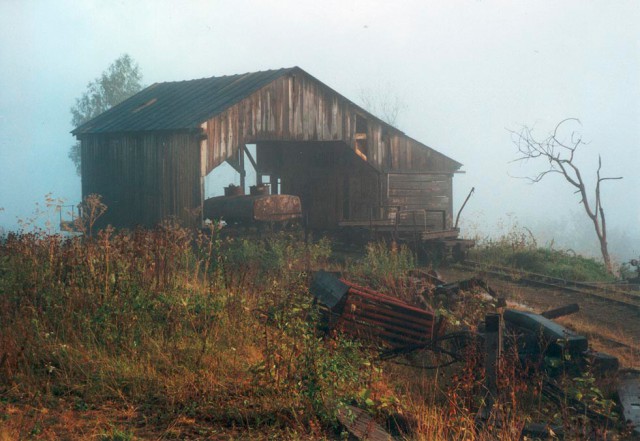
column 610, row 327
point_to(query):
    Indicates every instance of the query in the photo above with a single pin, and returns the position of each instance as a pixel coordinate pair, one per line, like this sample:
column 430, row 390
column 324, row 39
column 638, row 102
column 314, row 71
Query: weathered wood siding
column 344, row 163
column 423, row 198
column 297, row 107
column 143, row 178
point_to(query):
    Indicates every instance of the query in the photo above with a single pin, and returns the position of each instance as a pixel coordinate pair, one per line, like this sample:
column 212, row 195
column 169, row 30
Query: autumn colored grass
column 172, row 333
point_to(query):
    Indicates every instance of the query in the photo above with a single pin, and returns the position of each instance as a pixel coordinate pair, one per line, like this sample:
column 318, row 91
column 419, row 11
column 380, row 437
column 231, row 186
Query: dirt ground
column 610, row 327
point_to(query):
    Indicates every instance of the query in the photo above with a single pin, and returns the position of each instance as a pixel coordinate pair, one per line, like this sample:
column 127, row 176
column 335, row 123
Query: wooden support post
column 243, row 172
column 203, row 171
column 492, row 357
column 273, row 181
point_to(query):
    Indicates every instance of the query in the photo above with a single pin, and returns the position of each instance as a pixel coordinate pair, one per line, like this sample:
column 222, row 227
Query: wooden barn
column 148, row 156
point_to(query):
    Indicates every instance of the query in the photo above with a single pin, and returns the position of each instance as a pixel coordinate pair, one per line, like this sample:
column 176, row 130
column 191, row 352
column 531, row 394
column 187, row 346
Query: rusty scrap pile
column 404, row 329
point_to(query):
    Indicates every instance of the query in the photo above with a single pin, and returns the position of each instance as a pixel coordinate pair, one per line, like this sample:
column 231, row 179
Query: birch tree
column 121, row 80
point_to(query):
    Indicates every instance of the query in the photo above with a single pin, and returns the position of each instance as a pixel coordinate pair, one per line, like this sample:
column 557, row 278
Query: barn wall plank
column 143, row 178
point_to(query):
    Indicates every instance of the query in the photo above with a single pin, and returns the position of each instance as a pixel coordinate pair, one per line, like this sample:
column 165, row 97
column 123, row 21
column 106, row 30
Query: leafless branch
column 560, row 152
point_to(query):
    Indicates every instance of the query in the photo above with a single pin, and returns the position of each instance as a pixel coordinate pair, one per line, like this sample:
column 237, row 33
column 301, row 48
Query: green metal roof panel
column 179, row 104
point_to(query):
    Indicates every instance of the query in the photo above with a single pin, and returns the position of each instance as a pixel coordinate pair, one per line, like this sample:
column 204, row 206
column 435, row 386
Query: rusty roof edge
column 185, row 130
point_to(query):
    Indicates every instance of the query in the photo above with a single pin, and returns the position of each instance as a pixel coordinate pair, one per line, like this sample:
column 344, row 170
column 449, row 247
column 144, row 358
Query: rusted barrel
column 233, row 190
column 259, row 190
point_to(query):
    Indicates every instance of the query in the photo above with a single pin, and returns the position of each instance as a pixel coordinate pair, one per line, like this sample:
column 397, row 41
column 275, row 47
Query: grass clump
column 383, row 263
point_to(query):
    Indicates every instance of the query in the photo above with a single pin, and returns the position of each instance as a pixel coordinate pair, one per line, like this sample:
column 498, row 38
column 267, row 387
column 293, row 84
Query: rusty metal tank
column 248, row 209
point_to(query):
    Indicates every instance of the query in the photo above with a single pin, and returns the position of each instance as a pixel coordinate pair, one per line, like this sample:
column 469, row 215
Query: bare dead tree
column 560, row 154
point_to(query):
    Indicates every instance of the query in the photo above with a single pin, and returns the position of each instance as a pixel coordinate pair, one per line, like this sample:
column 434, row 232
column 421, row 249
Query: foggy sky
column 466, row 70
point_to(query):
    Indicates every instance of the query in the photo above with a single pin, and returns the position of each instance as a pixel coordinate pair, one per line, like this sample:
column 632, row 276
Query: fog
column 466, row 72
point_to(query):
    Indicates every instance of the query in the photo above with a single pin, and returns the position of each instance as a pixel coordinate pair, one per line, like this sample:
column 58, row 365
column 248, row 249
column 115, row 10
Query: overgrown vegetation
column 518, row 249
column 171, row 333
column 175, row 324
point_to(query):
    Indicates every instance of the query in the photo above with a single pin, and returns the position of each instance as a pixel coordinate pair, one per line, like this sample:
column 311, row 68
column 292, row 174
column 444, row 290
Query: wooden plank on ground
column 360, row 424
column 629, row 393
column 444, row 234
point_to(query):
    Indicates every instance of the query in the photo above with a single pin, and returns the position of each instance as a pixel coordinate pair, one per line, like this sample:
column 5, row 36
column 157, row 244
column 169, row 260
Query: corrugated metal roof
column 179, row 104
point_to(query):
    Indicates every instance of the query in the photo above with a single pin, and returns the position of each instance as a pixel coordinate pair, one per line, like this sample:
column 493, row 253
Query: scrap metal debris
column 561, row 311
column 555, row 335
column 466, row 285
column 365, row 313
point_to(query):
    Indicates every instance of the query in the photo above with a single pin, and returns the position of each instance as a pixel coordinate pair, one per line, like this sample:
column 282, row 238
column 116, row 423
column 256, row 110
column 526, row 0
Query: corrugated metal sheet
column 369, row 314
column 179, row 105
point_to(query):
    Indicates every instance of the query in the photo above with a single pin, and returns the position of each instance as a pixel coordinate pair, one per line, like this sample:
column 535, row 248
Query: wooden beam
column 253, row 162
column 492, row 359
column 243, row 172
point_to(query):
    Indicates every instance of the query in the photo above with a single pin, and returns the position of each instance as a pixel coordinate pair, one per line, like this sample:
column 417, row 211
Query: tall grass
column 174, row 323
column 383, row 264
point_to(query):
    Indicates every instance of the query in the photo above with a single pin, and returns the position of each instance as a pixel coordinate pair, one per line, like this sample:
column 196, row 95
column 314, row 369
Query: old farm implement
column 397, row 327
column 367, row 314
column 404, row 329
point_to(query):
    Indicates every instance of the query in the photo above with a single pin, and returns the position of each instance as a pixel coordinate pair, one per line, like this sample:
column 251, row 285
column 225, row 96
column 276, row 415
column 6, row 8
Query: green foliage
column 117, row 435
column 318, row 374
column 121, row 80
